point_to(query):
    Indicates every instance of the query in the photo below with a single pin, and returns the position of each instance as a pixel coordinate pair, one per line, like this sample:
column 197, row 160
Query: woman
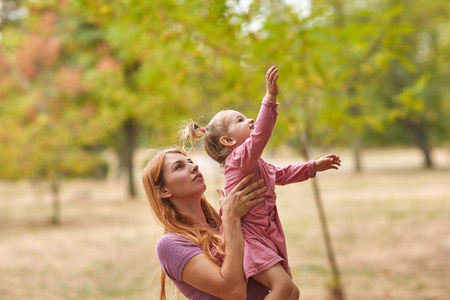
column 175, row 187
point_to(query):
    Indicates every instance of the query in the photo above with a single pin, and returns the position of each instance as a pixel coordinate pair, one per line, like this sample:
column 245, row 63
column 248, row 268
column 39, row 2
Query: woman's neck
column 193, row 209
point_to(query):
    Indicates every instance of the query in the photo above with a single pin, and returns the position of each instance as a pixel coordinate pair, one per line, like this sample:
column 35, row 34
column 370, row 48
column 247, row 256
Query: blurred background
column 87, row 86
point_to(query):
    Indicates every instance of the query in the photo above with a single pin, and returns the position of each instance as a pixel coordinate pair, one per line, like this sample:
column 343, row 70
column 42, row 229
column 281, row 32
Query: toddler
column 237, row 143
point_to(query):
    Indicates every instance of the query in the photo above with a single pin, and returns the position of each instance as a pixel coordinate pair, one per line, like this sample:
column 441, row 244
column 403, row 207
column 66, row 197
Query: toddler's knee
column 295, row 295
column 290, row 291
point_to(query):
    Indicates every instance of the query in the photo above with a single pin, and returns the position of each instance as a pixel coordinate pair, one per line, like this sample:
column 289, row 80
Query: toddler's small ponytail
column 188, row 134
column 211, row 135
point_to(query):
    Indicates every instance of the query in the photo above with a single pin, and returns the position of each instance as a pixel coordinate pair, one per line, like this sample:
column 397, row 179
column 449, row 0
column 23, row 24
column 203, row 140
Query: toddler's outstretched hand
column 271, row 84
column 330, row 161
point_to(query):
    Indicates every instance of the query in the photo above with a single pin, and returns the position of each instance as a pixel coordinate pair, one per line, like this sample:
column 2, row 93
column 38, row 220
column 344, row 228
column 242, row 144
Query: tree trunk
column 56, row 201
column 357, row 153
column 336, row 289
column 131, row 131
column 421, row 138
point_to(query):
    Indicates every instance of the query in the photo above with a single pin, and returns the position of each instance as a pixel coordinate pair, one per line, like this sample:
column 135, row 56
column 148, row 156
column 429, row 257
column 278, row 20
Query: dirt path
column 390, row 227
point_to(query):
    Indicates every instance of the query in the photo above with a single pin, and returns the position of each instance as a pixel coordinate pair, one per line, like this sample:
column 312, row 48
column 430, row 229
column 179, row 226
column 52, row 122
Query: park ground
column 390, row 227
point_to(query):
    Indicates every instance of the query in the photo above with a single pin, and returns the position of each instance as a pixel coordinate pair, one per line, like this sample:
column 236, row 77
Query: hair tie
column 202, row 129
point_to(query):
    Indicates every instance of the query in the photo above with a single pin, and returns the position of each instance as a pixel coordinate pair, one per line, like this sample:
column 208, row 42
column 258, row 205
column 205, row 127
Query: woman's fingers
column 243, row 182
column 247, row 195
column 221, row 194
column 256, row 193
column 251, row 187
column 256, row 201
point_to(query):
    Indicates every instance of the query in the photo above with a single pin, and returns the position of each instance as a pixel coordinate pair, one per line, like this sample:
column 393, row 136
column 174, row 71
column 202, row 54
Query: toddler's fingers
column 273, row 77
column 269, row 71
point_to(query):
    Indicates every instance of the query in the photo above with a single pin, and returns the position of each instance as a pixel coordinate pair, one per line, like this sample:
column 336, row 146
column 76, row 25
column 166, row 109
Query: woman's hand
column 240, row 199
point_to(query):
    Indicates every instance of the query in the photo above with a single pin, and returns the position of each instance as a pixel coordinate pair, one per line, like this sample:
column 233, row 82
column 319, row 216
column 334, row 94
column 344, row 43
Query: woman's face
column 182, row 178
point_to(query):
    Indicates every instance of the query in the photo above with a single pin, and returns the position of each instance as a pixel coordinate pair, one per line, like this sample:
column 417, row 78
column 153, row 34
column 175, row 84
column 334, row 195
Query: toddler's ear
column 226, row 141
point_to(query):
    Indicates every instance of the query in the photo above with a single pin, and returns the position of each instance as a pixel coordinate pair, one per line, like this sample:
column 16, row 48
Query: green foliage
column 413, row 94
column 346, row 70
column 155, row 58
column 46, row 127
column 325, row 61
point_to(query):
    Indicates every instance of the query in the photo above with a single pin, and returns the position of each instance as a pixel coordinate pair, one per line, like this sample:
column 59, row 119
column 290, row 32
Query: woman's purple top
column 175, row 250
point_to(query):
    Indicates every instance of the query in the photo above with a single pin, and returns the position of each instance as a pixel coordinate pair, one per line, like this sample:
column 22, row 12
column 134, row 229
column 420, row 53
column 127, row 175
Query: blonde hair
column 175, row 221
column 211, row 137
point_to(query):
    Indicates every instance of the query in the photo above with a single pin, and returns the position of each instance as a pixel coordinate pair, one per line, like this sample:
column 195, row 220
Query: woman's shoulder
column 172, row 237
column 172, row 244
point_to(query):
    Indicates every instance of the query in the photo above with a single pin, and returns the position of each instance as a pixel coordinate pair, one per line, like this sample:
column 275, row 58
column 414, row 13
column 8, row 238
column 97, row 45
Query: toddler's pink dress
column 264, row 241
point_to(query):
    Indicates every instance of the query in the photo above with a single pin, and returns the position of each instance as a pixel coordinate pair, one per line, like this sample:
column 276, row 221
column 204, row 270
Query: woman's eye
column 177, row 167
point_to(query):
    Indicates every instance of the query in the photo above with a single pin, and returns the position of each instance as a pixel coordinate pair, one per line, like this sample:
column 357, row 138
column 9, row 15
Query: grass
column 390, row 227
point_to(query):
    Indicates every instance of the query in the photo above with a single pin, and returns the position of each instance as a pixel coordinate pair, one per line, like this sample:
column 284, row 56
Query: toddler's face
column 239, row 127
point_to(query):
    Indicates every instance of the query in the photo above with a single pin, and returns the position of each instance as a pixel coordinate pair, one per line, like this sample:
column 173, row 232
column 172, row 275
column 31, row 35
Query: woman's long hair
column 174, row 221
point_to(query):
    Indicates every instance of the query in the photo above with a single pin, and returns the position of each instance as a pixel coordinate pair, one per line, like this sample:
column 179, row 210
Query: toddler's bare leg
column 279, row 283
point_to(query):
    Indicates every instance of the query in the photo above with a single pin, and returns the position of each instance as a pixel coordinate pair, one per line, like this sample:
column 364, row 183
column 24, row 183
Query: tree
column 414, row 91
column 48, row 132
column 157, row 63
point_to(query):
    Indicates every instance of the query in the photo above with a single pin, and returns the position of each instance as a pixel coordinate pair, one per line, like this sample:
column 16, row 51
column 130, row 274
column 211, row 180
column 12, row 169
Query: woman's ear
column 226, row 141
column 163, row 192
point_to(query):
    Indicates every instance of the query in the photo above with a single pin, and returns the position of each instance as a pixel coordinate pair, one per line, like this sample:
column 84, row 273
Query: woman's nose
column 194, row 168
